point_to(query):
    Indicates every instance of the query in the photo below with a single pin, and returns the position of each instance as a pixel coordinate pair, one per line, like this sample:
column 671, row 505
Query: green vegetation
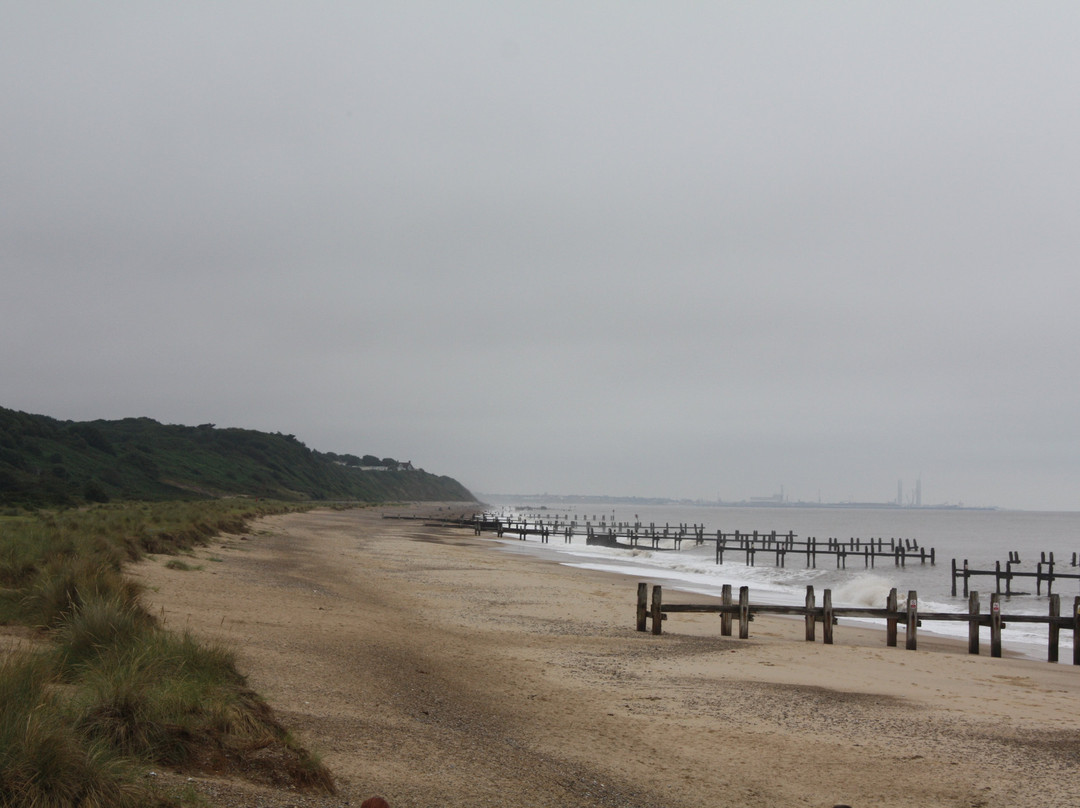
column 108, row 692
column 111, row 692
column 45, row 462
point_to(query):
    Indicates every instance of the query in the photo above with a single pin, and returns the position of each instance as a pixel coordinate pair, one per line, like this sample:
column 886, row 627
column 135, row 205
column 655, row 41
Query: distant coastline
column 539, row 499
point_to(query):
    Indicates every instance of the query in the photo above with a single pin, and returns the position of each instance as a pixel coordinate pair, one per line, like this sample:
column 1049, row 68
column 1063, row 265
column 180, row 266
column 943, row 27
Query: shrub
column 93, row 492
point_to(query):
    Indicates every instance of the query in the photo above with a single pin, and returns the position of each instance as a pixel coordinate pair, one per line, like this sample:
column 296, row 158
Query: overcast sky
column 639, row 249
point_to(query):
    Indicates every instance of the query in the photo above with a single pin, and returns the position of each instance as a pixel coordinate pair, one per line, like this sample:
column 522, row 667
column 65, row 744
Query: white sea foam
column 864, row 589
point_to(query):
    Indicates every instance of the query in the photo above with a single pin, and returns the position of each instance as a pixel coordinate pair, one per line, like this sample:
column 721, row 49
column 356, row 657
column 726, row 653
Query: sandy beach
column 429, row 666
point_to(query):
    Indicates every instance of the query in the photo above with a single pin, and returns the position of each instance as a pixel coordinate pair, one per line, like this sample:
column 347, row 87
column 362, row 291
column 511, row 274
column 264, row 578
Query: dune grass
column 113, row 692
column 44, row 759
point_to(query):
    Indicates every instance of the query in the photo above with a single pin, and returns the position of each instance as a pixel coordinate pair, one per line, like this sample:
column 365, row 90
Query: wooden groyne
column 770, row 544
column 895, row 614
column 899, row 551
column 626, row 535
column 1044, row 572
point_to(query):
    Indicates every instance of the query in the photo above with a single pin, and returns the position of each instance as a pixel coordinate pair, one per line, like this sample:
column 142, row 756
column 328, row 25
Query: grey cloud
column 647, row 249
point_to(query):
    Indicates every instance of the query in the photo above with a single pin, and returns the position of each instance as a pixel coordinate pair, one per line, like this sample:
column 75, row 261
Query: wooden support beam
column 995, row 625
column 657, row 610
column 1076, row 631
column 891, row 606
column 725, row 617
column 973, row 624
column 642, row 605
column 1054, row 629
column 744, row 612
column 827, row 617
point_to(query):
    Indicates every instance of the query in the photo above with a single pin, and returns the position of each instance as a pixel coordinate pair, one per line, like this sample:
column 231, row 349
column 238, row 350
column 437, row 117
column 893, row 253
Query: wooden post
column 725, row 617
column 912, row 620
column 1076, row 631
column 827, row 617
column 744, row 612
column 890, row 622
column 1055, row 628
column 995, row 625
column 810, row 614
column 642, row 605
column 954, row 578
column 973, row 623
column 657, row 614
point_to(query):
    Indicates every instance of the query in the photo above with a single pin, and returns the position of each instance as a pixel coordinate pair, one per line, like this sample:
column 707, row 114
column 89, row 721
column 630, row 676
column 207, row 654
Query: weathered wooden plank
column 717, row 608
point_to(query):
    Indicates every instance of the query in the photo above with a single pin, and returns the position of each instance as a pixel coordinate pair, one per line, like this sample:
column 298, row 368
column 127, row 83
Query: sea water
column 980, row 536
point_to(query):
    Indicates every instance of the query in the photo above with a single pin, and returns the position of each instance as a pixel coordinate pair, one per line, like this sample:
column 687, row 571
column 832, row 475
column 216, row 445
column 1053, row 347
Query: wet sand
column 430, row 667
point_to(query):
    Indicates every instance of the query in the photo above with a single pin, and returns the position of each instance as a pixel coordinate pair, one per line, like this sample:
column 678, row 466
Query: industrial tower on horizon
column 916, row 496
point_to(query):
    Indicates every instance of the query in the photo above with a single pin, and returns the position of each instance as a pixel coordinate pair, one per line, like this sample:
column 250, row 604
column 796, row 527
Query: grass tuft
column 65, row 583
column 101, row 626
column 43, row 760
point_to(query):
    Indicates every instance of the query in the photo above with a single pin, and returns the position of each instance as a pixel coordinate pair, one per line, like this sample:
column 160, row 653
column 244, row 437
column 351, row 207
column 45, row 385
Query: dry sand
column 429, row 666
